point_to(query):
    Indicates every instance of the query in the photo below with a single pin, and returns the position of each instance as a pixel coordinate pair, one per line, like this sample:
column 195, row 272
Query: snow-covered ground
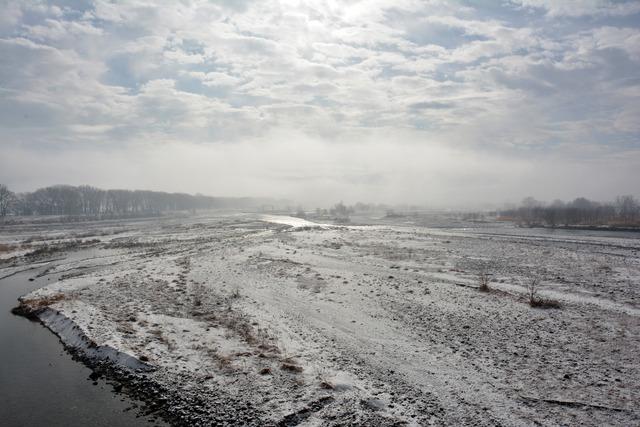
column 266, row 320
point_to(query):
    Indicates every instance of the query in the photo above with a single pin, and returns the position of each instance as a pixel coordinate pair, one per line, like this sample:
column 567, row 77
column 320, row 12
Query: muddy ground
column 250, row 320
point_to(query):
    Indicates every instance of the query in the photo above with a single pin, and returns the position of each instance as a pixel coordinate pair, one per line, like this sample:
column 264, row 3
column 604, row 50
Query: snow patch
column 73, row 336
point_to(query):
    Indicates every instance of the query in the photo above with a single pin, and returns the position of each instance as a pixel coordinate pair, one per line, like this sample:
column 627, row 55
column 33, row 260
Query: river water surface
column 40, row 384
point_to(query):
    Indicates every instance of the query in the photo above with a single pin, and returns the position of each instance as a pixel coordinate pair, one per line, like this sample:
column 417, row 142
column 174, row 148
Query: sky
column 441, row 103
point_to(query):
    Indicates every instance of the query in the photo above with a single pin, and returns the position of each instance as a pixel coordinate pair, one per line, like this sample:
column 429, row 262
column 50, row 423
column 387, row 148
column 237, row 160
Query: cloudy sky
column 439, row 102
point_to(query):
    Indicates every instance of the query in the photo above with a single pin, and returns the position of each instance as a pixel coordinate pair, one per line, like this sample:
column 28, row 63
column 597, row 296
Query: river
column 40, row 383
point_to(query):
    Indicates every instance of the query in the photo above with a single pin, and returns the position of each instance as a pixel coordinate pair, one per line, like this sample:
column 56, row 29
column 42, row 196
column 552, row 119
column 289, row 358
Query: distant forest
column 91, row 201
column 623, row 212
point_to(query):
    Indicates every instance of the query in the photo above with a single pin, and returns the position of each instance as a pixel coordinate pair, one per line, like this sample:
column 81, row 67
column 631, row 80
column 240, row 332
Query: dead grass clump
column 265, row 371
column 545, row 303
column 46, row 301
column 224, row 360
column 30, row 308
column 211, row 352
column 42, row 250
column 164, row 339
column 323, row 377
column 534, row 298
column 265, row 341
column 239, row 324
column 5, row 248
column 327, row 385
column 184, row 262
column 291, row 367
column 244, row 330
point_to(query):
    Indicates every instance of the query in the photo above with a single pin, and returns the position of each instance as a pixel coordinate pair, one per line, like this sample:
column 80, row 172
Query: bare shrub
column 532, row 291
column 534, row 298
column 322, row 376
column 199, row 292
column 483, row 282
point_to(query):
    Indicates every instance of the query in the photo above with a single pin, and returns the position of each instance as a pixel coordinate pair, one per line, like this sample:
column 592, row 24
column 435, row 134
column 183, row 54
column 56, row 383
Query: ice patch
column 290, row 220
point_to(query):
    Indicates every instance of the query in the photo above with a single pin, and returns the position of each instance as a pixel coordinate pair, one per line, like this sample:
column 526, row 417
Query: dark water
column 40, row 384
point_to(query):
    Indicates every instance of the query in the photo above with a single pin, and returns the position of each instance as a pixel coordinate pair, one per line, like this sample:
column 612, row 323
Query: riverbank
column 585, row 227
column 255, row 321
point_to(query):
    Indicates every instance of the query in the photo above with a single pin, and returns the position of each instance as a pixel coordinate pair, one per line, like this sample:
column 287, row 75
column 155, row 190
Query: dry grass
column 5, row 248
column 31, row 307
column 164, row 339
column 184, row 262
column 49, row 249
column 291, row 367
column 240, row 325
column 322, row 375
column 46, row 301
column 224, row 359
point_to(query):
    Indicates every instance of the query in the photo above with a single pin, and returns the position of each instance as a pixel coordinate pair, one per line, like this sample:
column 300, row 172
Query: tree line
column 92, row 201
column 624, row 211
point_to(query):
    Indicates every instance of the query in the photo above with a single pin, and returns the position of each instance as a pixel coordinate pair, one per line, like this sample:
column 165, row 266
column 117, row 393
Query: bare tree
column 6, row 199
column 86, row 200
column 579, row 212
column 628, row 208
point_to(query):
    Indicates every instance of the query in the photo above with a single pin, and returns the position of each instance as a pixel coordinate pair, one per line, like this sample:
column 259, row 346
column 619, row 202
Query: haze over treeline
column 91, row 201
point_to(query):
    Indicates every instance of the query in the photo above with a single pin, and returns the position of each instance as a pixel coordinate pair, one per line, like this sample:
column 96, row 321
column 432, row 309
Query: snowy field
column 272, row 320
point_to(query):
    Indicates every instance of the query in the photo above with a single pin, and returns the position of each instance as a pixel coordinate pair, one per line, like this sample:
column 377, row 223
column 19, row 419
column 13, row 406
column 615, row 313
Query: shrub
column 535, row 300
column 199, row 293
column 483, row 282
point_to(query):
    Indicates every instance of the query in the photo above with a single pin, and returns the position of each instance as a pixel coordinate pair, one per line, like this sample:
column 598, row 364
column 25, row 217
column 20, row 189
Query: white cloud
column 223, row 73
column 582, row 7
column 627, row 39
